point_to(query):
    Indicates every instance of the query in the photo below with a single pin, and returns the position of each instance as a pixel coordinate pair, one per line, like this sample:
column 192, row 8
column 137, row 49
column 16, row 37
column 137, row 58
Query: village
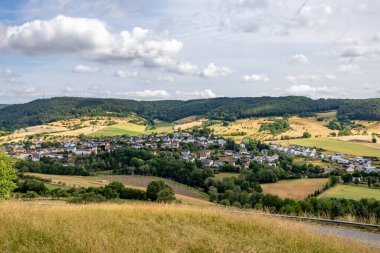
column 210, row 151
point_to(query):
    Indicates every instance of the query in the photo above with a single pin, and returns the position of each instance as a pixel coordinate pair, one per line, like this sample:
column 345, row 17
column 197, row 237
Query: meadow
column 337, row 146
column 139, row 182
column 294, row 189
column 351, row 192
column 148, row 227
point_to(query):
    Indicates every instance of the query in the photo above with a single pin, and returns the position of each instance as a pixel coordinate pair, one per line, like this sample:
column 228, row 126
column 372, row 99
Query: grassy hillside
column 351, row 192
column 43, row 111
column 338, row 146
column 138, row 227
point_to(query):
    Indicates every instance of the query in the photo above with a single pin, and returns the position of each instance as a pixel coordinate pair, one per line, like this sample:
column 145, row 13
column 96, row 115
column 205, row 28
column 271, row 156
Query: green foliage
column 347, row 178
column 276, row 127
column 306, row 135
column 48, row 110
column 7, row 175
column 159, row 191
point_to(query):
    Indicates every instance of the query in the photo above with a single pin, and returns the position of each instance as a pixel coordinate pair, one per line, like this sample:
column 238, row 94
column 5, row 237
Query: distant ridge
column 42, row 111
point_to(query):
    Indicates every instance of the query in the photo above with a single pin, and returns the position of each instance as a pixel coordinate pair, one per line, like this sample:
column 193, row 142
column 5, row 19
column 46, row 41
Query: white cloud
column 91, row 39
column 126, row 74
column 314, row 92
column 299, row 79
column 330, row 76
column 185, row 68
column 158, row 94
column 347, row 68
column 83, row 69
column 207, row 93
column 31, row 91
column 300, row 59
column 213, row 71
column 255, row 78
column 67, row 89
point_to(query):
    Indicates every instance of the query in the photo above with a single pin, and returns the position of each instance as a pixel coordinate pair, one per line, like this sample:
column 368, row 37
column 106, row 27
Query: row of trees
column 30, row 187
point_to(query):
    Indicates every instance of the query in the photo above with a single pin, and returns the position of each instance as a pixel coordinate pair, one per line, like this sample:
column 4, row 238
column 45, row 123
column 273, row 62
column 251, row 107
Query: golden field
column 148, row 227
column 295, row 189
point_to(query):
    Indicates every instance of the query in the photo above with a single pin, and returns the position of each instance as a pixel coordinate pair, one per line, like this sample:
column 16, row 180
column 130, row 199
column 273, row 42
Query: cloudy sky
column 186, row 49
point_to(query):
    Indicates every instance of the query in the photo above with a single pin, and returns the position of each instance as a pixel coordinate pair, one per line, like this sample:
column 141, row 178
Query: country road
column 348, row 233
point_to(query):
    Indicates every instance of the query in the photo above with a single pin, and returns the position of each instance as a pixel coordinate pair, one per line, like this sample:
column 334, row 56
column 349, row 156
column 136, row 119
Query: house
column 207, row 162
column 228, row 152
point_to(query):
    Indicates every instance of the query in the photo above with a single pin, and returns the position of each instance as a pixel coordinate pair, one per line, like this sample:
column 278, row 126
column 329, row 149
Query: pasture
column 351, row 192
column 294, row 189
column 149, row 227
column 350, row 148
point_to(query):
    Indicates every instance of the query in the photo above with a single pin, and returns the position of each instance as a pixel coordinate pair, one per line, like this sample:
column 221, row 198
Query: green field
column 132, row 129
column 222, row 175
column 337, row 146
column 351, row 192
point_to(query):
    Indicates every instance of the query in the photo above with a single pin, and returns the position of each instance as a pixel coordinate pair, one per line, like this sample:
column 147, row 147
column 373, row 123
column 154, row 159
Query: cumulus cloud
column 151, row 94
column 83, row 69
column 213, row 71
column 314, row 92
column 255, row 78
column 90, row 38
column 184, row 68
column 207, row 93
column 299, row 59
column 126, row 74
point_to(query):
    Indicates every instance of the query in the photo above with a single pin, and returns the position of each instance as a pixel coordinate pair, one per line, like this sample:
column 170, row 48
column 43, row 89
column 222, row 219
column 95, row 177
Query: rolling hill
column 43, row 111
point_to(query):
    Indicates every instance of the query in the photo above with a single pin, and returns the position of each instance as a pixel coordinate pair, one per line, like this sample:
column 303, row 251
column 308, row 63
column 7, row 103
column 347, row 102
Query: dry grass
column 295, row 189
column 140, row 227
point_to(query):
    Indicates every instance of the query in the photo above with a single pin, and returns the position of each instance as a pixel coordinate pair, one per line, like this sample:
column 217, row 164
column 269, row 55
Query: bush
column 159, row 191
column 306, row 135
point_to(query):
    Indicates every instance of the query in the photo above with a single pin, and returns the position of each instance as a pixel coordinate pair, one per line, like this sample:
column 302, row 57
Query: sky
column 188, row 49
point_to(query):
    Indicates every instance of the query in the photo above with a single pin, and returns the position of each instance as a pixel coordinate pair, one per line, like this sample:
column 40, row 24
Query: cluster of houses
column 349, row 164
column 241, row 158
column 36, row 151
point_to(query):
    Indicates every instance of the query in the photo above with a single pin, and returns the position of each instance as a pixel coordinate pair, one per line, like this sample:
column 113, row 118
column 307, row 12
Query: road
column 348, row 233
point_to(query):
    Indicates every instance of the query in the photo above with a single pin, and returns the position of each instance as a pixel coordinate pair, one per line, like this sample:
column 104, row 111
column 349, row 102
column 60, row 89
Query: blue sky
column 149, row 50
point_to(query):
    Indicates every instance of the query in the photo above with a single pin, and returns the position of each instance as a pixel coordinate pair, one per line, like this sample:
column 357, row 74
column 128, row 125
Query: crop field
column 147, row 227
column 351, row 148
column 351, row 192
column 294, row 189
column 311, row 125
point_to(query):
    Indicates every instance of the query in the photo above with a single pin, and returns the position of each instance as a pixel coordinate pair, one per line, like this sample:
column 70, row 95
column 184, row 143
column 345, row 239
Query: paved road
column 354, row 234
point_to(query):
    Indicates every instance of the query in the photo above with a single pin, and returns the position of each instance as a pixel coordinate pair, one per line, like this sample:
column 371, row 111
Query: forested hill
column 47, row 110
column 2, row 106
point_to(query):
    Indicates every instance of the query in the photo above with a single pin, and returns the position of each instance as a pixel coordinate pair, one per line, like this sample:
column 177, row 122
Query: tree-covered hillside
column 48, row 110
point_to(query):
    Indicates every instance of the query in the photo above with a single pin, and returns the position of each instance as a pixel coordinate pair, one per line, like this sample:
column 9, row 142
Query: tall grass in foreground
column 140, row 227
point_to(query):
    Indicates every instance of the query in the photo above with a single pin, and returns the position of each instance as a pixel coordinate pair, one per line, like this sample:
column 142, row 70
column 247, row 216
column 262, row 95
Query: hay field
column 295, row 189
column 149, row 227
column 351, row 192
